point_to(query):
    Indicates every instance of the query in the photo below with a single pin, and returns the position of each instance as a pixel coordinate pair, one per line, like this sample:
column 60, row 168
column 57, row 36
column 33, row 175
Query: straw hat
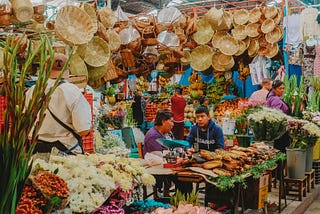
column 77, row 65
column 96, row 53
column 92, row 13
column 204, row 32
column 226, row 60
column 74, row 26
column 96, row 73
column 275, row 35
column 228, row 45
column 253, row 47
column 216, row 37
column 214, row 16
column 247, row 41
column 107, row 17
column 270, row 12
column 216, row 64
column 242, row 48
column 239, row 32
column 273, row 50
column 254, row 15
column 267, row 26
column 253, row 30
column 225, row 23
column 262, row 41
column 277, row 19
column 201, row 57
column 113, row 39
column 240, row 17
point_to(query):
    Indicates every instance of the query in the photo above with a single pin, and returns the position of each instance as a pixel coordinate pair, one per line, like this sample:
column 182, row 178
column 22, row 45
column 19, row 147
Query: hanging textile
column 309, row 54
column 309, row 24
column 294, row 53
column 316, row 70
column 292, row 24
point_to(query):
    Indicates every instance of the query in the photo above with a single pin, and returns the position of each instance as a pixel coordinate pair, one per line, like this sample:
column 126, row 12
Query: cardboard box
column 256, row 192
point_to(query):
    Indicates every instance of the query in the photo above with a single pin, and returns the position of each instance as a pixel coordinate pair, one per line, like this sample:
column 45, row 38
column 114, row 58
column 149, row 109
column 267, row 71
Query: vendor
column 178, row 104
column 205, row 134
column 69, row 107
column 260, row 97
column 163, row 124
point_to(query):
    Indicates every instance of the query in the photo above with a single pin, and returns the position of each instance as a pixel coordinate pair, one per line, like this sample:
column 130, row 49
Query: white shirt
column 71, row 107
column 293, row 27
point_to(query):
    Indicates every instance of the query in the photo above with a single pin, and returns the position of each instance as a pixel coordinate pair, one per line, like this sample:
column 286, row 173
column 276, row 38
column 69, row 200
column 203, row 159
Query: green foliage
column 295, row 96
column 15, row 147
column 190, row 198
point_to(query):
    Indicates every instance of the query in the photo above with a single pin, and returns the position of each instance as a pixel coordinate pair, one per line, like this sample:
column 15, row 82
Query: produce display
column 215, row 90
column 236, row 160
column 151, row 110
column 196, row 86
column 228, row 108
column 189, row 113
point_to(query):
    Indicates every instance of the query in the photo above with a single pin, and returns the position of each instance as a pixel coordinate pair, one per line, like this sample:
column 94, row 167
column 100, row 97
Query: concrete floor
column 314, row 207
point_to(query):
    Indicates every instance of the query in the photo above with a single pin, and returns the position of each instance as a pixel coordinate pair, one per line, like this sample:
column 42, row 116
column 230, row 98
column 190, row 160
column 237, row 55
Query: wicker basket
column 142, row 21
column 92, row 13
column 111, row 73
column 113, row 39
column 5, row 14
column 107, row 17
column 96, row 53
column 95, row 84
column 77, row 66
column 96, row 73
column 79, row 80
column 74, row 26
column 128, row 59
column 149, row 39
column 22, row 9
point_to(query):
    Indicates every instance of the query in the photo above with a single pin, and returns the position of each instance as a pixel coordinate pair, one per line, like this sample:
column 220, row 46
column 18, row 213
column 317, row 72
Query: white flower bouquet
column 91, row 179
column 267, row 124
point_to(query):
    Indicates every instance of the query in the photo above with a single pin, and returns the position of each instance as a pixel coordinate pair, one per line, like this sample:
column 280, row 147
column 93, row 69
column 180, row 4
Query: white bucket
column 228, row 126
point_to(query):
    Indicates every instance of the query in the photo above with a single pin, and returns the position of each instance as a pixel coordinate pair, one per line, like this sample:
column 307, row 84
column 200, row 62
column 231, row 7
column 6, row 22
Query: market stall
column 217, row 54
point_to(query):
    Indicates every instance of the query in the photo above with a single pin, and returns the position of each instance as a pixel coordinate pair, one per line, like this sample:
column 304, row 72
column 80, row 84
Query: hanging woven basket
column 74, row 26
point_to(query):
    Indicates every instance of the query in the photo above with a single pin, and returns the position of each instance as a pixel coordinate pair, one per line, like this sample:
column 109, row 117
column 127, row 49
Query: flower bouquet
column 267, row 124
column 304, row 134
column 43, row 192
column 113, row 119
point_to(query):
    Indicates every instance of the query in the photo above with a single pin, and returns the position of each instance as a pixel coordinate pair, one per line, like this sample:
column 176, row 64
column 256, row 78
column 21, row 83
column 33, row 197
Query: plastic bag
column 5, row 7
column 168, row 39
column 168, row 15
column 121, row 16
column 128, row 35
column 152, row 159
column 257, row 69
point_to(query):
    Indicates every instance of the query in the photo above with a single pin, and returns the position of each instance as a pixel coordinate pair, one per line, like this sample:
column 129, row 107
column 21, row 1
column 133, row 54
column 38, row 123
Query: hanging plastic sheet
column 168, row 15
column 184, row 79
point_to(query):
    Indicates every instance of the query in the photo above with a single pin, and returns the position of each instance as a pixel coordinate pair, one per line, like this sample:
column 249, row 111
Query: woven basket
column 79, row 80
column 77, row 66
column 95, row 84
column 5, row 15
column 22, row 9
column 204, row 32
column 111, row 73
column 147, row 38
column 92, row 13
column 96, row 73
column 128, row 59
column 113, row 39
column 142, row 21
column 96, row 53
column 74, row 26
column 102, row 32
column 107, row 17
column 201, row 57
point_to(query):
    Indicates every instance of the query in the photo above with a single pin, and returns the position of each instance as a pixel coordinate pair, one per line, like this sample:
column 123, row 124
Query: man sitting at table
column 206, row 134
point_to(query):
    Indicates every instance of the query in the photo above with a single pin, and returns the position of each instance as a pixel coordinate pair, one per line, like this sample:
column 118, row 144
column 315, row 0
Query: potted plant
column 304, row 135
column 110, row 94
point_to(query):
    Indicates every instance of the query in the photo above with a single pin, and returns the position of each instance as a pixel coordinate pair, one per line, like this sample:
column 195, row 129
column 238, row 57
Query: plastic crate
column 88, row 141
column 316, row 167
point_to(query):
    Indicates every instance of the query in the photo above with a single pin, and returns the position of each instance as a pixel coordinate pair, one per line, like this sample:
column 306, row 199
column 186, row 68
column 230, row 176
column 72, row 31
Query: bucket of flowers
column 304, row 135
column 267, row 124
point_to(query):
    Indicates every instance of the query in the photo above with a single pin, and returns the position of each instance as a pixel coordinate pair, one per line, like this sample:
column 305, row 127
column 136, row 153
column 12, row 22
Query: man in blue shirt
column 206, row 134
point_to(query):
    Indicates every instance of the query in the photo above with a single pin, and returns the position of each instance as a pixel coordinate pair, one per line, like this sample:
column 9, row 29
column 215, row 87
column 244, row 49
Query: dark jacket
column 210, row 139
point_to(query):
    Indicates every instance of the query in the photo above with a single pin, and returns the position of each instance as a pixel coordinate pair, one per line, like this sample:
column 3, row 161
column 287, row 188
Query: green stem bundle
column 21, row 122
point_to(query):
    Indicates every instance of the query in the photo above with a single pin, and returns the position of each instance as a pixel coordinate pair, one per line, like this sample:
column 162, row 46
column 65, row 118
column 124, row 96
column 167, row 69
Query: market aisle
column 314, row 208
